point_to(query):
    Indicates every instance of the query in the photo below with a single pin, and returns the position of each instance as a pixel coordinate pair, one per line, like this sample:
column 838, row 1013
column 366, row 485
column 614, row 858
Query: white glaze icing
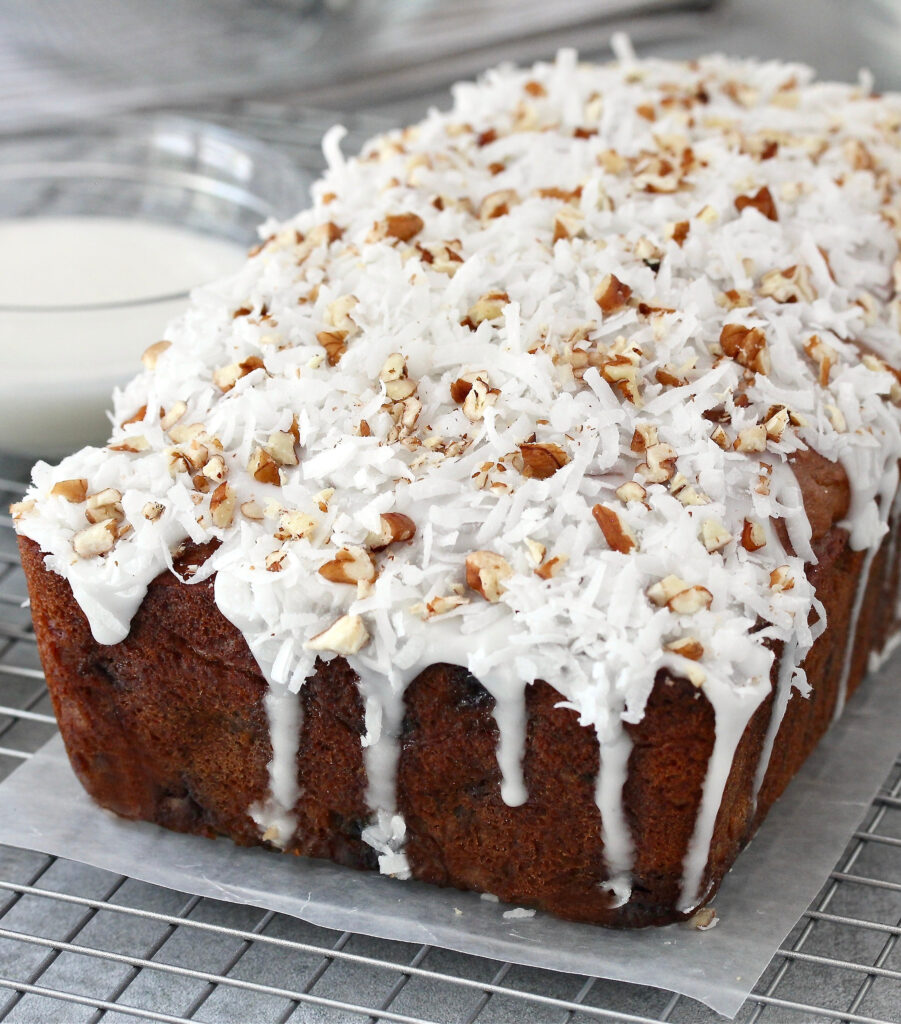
column 790, row 674
column 853, row 620
column 619, row 851
column 788, row 666
column 871, row 511
column 510, row 715
column 384, row 708
column 598, row 190
column 276, row 816
column 733, row 709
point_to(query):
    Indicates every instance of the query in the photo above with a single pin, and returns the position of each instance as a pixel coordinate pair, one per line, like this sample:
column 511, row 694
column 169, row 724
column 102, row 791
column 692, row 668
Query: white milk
column 80, row 300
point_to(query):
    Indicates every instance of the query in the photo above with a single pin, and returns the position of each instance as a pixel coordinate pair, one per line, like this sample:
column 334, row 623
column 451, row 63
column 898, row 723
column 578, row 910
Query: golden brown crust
column 825, row 490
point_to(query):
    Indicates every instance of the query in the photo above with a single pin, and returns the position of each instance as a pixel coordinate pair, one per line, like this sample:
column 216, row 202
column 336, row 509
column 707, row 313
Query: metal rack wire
column 82, row 945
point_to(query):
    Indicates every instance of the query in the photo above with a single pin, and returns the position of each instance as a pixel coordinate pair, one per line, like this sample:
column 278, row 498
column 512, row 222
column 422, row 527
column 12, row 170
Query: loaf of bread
column 521, row 514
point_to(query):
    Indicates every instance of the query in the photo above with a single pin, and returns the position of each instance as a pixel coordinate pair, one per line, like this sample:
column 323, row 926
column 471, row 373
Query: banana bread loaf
column 520, row 516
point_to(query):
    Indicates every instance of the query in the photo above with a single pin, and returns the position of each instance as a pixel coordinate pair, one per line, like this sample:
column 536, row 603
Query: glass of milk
column 104, row 230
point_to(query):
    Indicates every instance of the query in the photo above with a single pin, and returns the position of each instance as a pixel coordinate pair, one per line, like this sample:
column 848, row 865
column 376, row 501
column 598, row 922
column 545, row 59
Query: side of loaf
column 147, row 742
column 521, row 513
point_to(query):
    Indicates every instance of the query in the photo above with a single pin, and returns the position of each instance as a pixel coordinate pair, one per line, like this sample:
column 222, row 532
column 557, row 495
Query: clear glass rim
column 142, row 126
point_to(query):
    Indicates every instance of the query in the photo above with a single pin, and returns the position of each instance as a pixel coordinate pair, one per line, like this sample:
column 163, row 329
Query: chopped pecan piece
column 403, row 226
column 790, row 285
column 549, row 569
column 747, row 346
column 679, row 232
column 335, row 345
column 617, row 532
column 72, row 490
column 644, row 436
column 226, row 377
column 275, row 559
column 542, row 460
column 720, row 437
column 394, row 528
column 489, row 306
column 611, row 294
column 762, row 201
column 95, row 540
column 751, row 439
column 338, row 313
column 621, row 371
column 781, row 578
column 714, row 535
column 485, row 573
column 823, row 355
column 294, row 524
column 263, row 467
column 776, row 424
column 660, row 465
column 350, row 565
column 281, row 447
column 631, row 491
column 222, row 505
column 688, row 647
column 690, row 601
column 153, row 352
column 660, row 592
column 103, row 505
column 346, row 636
column 753, row 536
column 497, row 204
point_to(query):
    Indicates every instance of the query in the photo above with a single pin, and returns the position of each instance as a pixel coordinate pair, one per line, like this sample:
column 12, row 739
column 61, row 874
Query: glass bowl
column 104, row 229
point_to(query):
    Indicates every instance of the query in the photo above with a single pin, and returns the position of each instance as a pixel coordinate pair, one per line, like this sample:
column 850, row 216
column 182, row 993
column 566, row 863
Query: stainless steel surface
column 64, row 58
column 79, row 944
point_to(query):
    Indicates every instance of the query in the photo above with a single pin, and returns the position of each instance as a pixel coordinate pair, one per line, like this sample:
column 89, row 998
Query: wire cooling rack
column 82, row 945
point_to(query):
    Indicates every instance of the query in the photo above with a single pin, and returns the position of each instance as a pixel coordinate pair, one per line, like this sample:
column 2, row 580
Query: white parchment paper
column 43, row 807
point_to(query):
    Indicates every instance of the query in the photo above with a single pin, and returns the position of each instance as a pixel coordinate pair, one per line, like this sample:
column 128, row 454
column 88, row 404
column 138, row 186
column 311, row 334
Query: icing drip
column 382, row 716
column 874, row 497
column 615, row 832
column 853, row 621
column 384, row 709
column 733, row 710
column 276, row 817
column 878, row 658
column 890, row 560
column 790, row 674
column 789, row 663
column 510, row 715
column 383, row 689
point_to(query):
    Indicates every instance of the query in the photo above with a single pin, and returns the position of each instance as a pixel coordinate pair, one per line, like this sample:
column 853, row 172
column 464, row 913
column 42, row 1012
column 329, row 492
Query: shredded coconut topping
column 520, row 391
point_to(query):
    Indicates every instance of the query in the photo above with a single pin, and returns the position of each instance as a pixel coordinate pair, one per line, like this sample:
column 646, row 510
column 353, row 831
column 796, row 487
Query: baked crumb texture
column 483, row 526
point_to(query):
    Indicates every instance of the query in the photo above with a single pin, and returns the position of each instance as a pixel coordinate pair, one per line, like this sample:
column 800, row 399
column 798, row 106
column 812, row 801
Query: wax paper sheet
column 42, row 807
